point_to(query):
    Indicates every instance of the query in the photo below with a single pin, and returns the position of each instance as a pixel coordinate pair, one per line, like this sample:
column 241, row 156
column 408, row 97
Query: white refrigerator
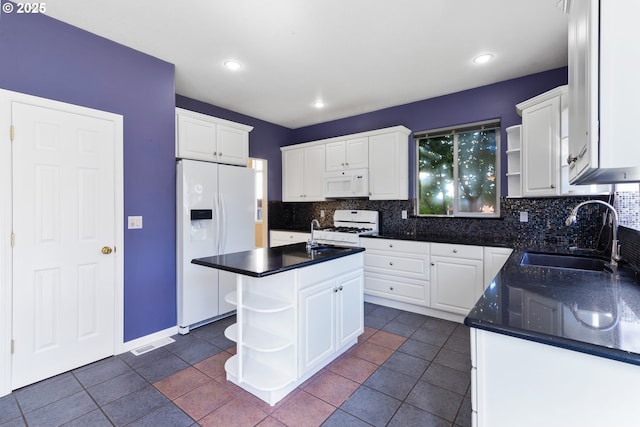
column 215, row 215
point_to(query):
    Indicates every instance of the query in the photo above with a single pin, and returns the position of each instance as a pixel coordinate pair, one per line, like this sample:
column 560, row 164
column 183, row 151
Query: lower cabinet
column 282, row 237
column 456, row 277
column 553, row 386
column 397, row 269
column 331, row 315
column 437, row 279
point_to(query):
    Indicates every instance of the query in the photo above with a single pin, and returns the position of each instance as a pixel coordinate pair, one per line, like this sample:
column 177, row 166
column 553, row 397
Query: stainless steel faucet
column 615, row 247
column 311, row 243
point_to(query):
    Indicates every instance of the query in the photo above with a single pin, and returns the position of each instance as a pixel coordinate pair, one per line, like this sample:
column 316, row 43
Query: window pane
column 477, row 171
column 435, row 175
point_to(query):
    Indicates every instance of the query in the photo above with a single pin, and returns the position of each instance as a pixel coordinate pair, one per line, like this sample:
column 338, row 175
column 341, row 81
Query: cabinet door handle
column 215, row 153
column 571, row 159
column 335, row 289
column 340, row 287
column 220, row 154
column 433, row 263
column 553, row 186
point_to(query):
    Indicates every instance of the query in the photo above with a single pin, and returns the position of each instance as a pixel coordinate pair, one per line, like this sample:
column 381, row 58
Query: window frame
column 467, row 127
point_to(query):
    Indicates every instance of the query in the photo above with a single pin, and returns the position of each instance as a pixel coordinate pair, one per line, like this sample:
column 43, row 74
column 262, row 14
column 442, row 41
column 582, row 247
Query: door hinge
column 11, row 133
column 13, row 239
column 13, row 345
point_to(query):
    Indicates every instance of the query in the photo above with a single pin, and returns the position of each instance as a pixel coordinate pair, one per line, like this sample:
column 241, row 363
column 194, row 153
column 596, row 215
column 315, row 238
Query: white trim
column 6, row 298
column 148, row 339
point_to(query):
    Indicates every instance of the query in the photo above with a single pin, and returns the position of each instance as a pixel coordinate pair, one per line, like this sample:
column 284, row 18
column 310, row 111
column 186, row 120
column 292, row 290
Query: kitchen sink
column 552, row 260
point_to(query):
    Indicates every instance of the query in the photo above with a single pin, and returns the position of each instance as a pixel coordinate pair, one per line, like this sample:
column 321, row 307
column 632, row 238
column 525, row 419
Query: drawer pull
column 390, row 262
column 455, row 251
column 390, row 245
column 390, row 288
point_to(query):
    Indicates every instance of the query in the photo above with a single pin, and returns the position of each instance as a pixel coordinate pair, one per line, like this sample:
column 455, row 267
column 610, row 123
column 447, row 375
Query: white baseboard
column 414, row 308
column 147, row 339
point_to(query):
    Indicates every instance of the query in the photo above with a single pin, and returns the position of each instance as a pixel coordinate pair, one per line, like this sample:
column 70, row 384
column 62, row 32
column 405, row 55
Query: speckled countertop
column 560, row 307
column 434, row 238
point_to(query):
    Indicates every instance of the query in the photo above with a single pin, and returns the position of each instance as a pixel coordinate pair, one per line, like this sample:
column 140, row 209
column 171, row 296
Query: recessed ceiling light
column 483, row 59
column 233, row 65
column 319, row 103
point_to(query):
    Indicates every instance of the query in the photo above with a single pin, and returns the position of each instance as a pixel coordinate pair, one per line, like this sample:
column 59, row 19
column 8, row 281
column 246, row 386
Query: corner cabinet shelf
column 514, row 180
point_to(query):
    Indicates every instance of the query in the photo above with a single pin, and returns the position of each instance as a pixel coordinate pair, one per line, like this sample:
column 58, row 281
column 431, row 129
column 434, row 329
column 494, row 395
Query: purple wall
column 265, row 139
column 488, row 102
column 50, row 59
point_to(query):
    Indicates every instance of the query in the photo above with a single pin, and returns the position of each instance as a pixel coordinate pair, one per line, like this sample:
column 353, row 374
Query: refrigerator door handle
column 223, row 226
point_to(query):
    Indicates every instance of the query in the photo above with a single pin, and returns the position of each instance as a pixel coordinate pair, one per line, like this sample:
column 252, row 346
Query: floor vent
column 156, row 344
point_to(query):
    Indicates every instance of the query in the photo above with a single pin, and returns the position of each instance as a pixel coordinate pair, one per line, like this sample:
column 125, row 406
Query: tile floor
column 406, row 370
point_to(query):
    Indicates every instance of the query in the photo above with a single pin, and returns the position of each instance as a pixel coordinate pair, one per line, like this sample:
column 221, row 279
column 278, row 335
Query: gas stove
column 348, row 226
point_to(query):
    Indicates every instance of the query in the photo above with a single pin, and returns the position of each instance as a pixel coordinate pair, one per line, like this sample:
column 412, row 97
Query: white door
column 64, row 224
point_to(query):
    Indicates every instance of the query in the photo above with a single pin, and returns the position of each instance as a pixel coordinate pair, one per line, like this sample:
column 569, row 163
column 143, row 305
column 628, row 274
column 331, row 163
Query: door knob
column 106, row 250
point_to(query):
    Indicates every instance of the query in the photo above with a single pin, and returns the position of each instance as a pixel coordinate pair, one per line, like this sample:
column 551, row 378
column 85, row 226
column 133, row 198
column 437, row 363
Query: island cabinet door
column 349, row 308
column 317, row 324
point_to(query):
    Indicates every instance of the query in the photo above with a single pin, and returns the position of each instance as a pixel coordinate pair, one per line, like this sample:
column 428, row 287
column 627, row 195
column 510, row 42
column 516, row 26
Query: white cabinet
column 293, row 323
column 397, row 270
column 544, row 144
column 331, row 315
column 389, row 166
column 540, row 151
column 303, row 173
column 281, row 237
column 202, row 137
column 348, row 154
column 384, row 152
column 456, row 277
column 537, row 378
column 494, row 259
column 603, row 88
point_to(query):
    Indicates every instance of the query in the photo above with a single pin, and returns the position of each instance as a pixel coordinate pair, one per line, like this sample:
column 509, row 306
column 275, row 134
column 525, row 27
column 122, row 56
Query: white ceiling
column 356, row 55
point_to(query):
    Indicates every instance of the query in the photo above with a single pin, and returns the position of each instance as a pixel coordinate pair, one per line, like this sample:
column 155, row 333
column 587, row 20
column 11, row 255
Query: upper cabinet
column 348, row 154
column 540, row 139
column 543, row 144
column 389, row 166
column 604, row 57
column 303, row 173
column 383, row 152
column 207, row 138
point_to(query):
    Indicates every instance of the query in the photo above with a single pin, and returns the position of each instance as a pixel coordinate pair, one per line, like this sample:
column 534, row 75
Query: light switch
column 524, row 216
column 134, row 222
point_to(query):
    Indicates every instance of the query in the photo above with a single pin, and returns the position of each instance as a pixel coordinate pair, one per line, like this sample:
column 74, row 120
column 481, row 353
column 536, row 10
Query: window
column 458, row 170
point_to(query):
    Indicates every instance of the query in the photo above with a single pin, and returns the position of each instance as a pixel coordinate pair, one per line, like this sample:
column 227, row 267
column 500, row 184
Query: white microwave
column 347, row 183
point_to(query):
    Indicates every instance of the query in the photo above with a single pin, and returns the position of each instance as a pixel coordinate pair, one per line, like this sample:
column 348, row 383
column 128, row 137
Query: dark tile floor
column 406, row 370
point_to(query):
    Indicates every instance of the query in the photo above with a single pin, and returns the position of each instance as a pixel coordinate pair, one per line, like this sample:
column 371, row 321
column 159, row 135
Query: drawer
column 457, row 251
column 403, row 264
column 279, row 237
column 395, row 245
column 386, row 287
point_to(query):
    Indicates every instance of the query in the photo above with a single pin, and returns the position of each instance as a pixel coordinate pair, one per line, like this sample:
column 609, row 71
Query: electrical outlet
column 321, row 213
column 524, row 216
column 134, row 222
column 404, row 214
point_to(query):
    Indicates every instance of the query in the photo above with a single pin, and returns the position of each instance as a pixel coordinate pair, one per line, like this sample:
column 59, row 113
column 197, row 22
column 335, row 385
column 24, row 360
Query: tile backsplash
column 545, row 228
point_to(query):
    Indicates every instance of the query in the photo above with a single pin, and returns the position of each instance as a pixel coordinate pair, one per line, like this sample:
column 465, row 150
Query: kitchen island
column 297, row 310
column 556, row 346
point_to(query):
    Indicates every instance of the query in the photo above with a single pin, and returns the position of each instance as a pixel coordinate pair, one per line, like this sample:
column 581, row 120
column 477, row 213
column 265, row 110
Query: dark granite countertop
column 266, row 261
column 592, row 312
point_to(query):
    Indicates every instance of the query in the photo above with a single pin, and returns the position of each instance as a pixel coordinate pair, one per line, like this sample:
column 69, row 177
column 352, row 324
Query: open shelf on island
column 260, row 376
